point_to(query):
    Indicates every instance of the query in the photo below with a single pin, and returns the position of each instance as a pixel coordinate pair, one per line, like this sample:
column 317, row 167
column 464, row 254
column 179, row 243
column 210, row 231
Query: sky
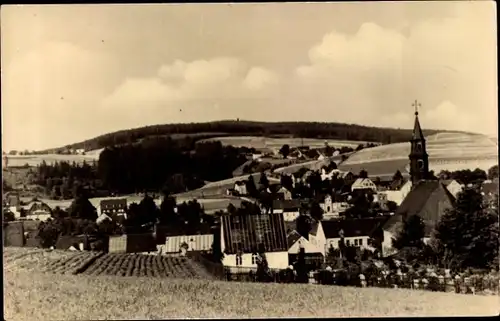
column 73, row 72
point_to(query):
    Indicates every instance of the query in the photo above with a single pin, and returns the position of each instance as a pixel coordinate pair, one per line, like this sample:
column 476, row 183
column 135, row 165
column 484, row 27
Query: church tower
column 419, row 159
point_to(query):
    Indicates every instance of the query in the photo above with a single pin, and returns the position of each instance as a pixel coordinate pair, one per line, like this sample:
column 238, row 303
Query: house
column 257, row 156
column 13, row 203
column 453, row 186
column 428, row 199
column 289, row 208
column 363, row 183
column 356, row 232
column 329, row 206
column 240, row 187
column 243, row 236
column 38, row 210
column 313, row 255
column 329, row 175
column 132, row 243
column 192, row 243
column 284, row 194
column 114, row 207
column 396, row 195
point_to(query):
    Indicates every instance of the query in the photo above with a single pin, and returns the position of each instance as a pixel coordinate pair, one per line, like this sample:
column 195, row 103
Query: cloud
column 373, row 76
column 192, row 91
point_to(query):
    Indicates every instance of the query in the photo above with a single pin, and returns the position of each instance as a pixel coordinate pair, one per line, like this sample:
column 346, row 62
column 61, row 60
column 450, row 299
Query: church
column 429, row 198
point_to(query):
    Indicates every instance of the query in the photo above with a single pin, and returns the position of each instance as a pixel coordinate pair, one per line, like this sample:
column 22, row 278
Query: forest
column 153, row 166
column 199, row 131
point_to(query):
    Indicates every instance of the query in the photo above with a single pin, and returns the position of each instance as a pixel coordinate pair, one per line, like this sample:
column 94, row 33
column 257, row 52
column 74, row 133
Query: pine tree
column 412, row 234
column 468, row 234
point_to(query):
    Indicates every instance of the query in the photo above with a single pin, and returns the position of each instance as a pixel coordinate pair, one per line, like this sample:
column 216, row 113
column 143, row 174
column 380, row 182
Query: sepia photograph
column 250, row 160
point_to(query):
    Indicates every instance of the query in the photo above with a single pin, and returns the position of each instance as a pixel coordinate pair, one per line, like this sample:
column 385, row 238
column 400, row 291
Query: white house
column 241, row 188
column 363, row 183
column 244, row 236
column 257, row 156
column 356, row 232
column 329, row 175
column 287, row 195
column 397, row 196
column 296, row 242
column 453, row 187
column 175, row 244
column 289, row 208
column 328, row 206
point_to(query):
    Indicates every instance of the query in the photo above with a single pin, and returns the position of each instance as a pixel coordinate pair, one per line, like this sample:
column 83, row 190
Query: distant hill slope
column 199, row 131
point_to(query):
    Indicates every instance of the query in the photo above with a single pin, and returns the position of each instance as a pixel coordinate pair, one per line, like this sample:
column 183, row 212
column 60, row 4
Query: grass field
column 35, row 160
column 450, row 151
column 36, row 296
column 270, row 143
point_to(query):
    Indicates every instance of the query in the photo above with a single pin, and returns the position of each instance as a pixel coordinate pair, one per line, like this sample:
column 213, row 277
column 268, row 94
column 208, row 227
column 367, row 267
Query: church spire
column 419, row 159
column 417, row 130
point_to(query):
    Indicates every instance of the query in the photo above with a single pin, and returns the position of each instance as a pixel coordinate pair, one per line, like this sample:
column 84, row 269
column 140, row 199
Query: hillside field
column 35, row 160
column 269, row 143
column 39, row 296
column 447, row 151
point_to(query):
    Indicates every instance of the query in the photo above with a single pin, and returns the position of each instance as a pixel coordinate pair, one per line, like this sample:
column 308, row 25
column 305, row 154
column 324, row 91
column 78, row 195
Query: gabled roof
column 286, row 204
column 246, row 233
column 292, row 237
column 351, row 227
column 425, row 200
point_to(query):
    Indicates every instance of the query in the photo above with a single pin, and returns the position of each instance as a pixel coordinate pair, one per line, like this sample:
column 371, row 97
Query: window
column 360, row 242
column 328, row 208
column 356, row 242
column 419, row 147
column 348, row 242
column 254, row 258
column 239, row 259
column 420, row 164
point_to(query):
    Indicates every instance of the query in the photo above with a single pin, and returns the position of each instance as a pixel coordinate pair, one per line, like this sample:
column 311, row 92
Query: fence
column 487, row 284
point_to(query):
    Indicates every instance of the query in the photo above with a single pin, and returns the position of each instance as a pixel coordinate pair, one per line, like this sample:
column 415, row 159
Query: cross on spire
column 416, row 104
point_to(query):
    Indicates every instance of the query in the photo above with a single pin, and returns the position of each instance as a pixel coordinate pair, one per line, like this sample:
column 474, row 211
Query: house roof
column 286, row 204
column 195, row 242
column 351, row 227
column 38, row 206
column 425, row 200
column 114, row 203
column 292, row 237
column 247, row 233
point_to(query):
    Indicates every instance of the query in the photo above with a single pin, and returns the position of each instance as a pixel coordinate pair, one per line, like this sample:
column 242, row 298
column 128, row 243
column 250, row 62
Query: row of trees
column 221, row 128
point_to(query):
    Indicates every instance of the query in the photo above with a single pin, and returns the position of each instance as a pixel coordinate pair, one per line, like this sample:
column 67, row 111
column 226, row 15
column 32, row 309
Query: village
column 281, row 226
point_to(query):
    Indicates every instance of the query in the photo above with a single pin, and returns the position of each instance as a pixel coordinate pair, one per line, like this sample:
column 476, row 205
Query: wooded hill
column 198, row 131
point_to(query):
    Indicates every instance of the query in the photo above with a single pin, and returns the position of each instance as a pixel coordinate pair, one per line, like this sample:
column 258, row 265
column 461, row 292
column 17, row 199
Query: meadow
column 447, row 151
column 38, row 296
column 271, row 143
column 35, row 160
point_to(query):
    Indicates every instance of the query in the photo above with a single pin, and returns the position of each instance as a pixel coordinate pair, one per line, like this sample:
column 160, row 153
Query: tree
column 250, row 185
column 363, row 174
column 303, row 225
column 264, row 181
column 287, row 182
column 493, row 172
column 8, row 216
column 167, row 214
column 316, row 211
column 412, row 234
column 301, row 268
column 82, row 208
column 468, row 234
column 148, row 210
column 285, row 150
column 397, row 176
